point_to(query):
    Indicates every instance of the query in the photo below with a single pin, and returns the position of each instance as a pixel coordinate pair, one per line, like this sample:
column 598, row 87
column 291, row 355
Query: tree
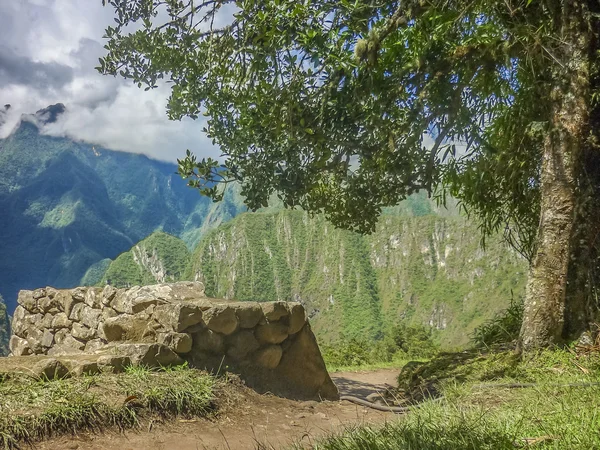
column 344, row 107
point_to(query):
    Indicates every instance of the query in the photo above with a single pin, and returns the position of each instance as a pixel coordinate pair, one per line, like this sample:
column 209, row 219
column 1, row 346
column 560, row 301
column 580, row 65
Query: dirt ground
column 250, row 420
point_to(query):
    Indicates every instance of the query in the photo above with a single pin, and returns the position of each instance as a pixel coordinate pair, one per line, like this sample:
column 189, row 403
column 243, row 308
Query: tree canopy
column 344, row 107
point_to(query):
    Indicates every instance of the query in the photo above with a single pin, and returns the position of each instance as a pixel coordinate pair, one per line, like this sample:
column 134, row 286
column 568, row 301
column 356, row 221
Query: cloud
column 16, row 69
column 48, row 51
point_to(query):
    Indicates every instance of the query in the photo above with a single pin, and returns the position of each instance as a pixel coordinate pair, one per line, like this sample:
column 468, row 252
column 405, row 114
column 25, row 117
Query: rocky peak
column 50, row 114
column 3, row 113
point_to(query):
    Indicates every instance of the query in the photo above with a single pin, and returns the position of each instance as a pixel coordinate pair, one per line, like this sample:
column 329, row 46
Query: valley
column 79, row 214
column 422, row 266
column 67, row 206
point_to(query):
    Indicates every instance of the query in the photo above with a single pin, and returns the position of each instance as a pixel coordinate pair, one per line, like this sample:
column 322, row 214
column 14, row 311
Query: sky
column 48, row 51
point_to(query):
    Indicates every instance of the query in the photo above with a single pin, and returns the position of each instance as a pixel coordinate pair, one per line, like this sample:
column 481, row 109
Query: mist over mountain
column 69, row 205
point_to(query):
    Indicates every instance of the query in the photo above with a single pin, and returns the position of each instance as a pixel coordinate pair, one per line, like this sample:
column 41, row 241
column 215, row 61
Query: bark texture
column 584, row 284
column 545, row 301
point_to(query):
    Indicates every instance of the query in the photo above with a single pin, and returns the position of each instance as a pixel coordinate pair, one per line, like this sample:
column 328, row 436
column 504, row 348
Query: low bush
column 502, row 329
column 398, row 344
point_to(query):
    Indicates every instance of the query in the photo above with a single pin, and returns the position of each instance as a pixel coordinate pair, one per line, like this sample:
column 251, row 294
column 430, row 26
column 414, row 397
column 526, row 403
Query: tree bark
column 546, row 294
column 582, row 287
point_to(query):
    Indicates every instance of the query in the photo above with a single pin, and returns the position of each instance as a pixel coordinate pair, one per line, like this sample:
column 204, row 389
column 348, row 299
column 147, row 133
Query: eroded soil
column 249, row 420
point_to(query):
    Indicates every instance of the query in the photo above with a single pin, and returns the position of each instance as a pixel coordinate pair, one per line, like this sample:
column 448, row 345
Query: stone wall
column 269, row 344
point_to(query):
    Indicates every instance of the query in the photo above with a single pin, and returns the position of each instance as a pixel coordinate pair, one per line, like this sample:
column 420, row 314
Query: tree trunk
column 545, row 300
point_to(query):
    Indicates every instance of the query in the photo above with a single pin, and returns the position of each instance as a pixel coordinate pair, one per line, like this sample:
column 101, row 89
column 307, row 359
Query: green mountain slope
column 423, row 265
column 68, row 206
column 424, row 269
column 159, row 258
column 4, row 329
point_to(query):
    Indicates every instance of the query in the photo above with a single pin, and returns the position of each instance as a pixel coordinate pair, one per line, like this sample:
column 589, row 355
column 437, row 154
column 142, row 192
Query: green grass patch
column 394, row 364
column 32, row 410
column 482, row 407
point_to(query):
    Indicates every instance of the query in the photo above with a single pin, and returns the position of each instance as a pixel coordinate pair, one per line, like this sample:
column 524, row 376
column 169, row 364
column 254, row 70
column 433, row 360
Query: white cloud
column 62, row 41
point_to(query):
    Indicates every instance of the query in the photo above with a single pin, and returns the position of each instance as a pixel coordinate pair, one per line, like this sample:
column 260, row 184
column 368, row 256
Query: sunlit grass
column 479, row 411
column 31, row 410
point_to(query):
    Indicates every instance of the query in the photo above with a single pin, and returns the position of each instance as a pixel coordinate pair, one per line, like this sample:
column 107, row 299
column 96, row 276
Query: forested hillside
column 423, row 265
column 4, row 329
column 158, row 258
column 68, row 206
column 73, row 208
column 425, row 270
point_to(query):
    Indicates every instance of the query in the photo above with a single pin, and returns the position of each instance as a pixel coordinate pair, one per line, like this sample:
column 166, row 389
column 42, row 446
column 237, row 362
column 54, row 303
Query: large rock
column 297, row 317
column 93, row 298
column 90, row 317
column 271, row 333
column 303, row 370
column 82, row 332
column 178, row 317
column 241, row 344
column 50, row 304
column 61, row 335
column 19, row 346
column 47, row 339
column 147, row 355
column 77, row 310
column 137, row 299
column 108, row 294
column 27, row 301
column 39, row 293
column 69, row 301
column 20, row 321
column 113, row 363
column 275, row 310
column 248, row 314
column 94, row 345
column 221, row 319
column 126, row 327
column 34, row 338
column 209, row 341
column 50, row 369
column 69, row 345
column 84, row 368
column 180, row 343
column 269, row 357
column 61, row 320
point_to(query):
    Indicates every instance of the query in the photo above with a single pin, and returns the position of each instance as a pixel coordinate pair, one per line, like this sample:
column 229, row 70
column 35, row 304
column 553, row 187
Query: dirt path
column 250, row 420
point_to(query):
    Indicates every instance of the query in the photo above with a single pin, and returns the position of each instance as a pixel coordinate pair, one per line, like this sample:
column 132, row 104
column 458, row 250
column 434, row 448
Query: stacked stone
column 61, row 322
column 256, row 332
column 88, row 330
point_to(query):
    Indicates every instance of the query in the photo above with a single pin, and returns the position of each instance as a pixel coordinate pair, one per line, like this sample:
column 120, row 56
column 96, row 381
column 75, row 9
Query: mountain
column 427, row 270
column 160, row 258
column 68, row 207
column 72, row 213
column 4, row 329
column 423, row 265
column 3, row 113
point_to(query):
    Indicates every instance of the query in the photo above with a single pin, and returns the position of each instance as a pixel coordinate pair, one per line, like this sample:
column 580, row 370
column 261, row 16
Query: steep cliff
column 423, row 265
column 424, row 269
column 67, row 206
column 160, row 258
column 4, row 329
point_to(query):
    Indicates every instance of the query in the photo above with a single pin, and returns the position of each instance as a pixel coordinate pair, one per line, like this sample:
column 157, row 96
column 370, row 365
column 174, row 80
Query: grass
column 478, row 411
column 32, row 410
column 394, row 364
